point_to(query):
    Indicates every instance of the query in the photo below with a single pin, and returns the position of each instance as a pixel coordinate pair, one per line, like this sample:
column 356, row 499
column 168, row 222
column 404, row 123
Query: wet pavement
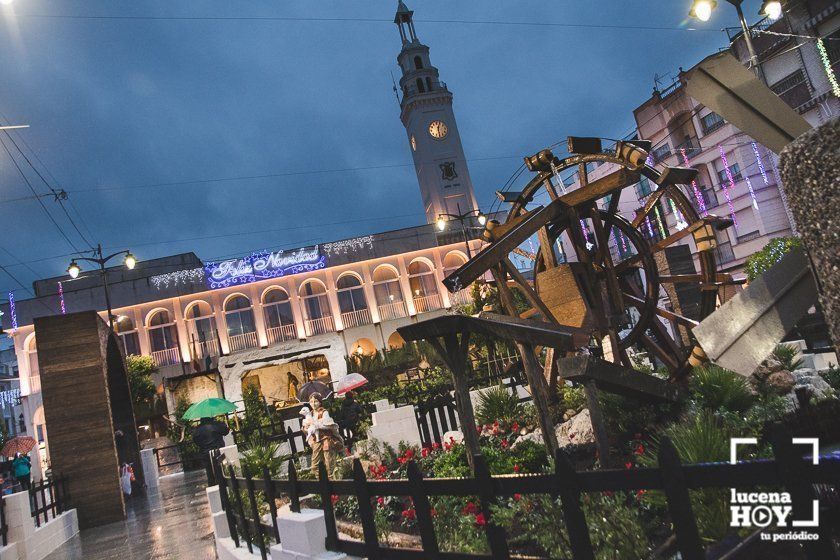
column 170, row 524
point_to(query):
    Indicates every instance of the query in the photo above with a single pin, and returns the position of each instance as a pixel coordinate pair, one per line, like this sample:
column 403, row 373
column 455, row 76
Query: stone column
column 444, row 293
column 297, row 311
column 367, row 284
column 181, row 327
column 259, row 318
column 332, row 297
column 406, row 287
column 810, row 167
column 221, row 325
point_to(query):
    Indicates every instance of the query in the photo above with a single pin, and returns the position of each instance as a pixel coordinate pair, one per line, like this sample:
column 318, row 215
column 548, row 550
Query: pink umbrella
column 349, row 382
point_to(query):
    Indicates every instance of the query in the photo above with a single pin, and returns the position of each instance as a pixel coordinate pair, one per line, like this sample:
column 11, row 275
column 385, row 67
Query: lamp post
column 442, row 219
column 74, row 269
column 702, row 10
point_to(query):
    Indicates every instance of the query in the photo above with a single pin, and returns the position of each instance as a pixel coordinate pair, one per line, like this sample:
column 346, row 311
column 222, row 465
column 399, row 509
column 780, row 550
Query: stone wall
column 810, row 168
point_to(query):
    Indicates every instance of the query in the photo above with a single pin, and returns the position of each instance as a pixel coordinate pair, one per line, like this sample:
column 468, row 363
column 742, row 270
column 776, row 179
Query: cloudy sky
column 141, row 110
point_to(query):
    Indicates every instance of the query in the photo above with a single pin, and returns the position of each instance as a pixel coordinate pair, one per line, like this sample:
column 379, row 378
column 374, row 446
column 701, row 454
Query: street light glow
column 74, row 269
column 702, row 9
column 771, row 9
column 130, row 261
column 482, row 219
column 6, row 2
column 441, row 223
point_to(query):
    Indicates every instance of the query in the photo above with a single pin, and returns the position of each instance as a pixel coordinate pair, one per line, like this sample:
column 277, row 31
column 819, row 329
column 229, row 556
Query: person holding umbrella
column 22, row 468
column 209, row 436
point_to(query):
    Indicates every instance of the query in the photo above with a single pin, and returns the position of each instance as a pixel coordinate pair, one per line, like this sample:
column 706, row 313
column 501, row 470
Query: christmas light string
column 829, row 71
column 731, row 185
column 13, row 311
column 659, row 222
column 700, row 203
column 760, row 163
column 61, row 298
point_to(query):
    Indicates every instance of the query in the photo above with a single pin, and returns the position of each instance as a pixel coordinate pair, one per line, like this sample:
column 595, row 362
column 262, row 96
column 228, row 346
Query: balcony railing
column 356, row 318
column 206, row 348
column 283, row 333
column 427, row 303
column 318, row 326
column 390, row 311
column 243, row 341
column 461, row 297
column 166, row 357
column 691, row 147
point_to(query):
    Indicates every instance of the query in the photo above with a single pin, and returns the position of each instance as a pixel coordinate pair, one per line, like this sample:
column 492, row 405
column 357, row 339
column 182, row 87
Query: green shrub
column 497, row 404
column 772, row 253
column 786, row 354
column 255, row 459
column 832, row 377
column 714, row 388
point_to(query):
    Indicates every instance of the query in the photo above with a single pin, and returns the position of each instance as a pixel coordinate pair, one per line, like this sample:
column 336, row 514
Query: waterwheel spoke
column 645, row 211
column 664, row 313
column 659, row 352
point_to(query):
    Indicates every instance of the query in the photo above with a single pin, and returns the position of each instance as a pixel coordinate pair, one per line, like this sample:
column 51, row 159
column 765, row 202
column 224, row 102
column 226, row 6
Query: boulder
column 535, row 436
column 576, row 431
column 817, row 384
column 781, row 382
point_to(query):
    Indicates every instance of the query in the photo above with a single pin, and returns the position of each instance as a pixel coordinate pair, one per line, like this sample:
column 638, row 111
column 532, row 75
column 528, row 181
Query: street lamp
column 702, row 10
column 771, row 9
column 442, row 220
column 74, row 269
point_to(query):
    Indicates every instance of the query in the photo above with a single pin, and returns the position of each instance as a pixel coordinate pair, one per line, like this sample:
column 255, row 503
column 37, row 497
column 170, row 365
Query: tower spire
column 405, row 23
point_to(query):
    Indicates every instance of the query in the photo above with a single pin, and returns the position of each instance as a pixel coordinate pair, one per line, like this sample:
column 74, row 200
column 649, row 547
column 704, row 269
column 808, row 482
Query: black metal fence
column 177, row 456
column 48, row 499
column 788, row 469
column 4, row 527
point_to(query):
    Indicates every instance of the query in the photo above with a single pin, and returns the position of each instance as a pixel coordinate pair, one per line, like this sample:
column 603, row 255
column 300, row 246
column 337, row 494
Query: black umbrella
column 311, row 387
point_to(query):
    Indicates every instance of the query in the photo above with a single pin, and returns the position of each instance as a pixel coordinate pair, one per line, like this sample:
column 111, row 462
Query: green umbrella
column 208, row 408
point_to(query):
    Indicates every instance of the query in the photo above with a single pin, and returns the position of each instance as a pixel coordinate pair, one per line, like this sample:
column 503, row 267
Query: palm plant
column 497, row 403
column 786, row 354
column 254, row 460
column 717, row 388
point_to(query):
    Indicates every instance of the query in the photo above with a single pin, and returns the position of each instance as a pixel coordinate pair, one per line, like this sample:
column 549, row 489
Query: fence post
column 424, row 511
column 567, row 479
column 245, row 530
column 365, row 510
column 292, row 444
column 223, row 496
column 495, row 534
column 792, row 473
column 329, row 513
column 272, row 505
column 679, row 502
column 252, row 499
column 294, row 494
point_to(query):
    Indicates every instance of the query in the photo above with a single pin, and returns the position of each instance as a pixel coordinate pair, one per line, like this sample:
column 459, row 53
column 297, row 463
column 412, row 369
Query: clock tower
column 426, row 112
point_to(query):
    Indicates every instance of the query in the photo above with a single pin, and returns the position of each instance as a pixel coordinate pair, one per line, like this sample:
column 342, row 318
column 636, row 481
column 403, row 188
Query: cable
column 365, row 20
column 41, row 202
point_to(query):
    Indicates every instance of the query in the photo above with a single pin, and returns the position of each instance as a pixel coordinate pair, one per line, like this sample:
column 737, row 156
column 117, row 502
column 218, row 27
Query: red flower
column 334, row 498
column 425, row 452
column 469, row 509
column 640, row 449
column 640, row 493
column 432, row 512
column 516, row 468
column 409, row 514
column 517, row 497
column 504, row 444
column 435, row 445
column 515, row 426
column 380, row 500
column 409, row 454
column 480, row 520
column 628, row 465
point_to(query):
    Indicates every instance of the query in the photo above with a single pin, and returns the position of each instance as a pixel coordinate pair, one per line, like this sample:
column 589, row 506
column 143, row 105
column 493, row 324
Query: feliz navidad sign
column 262, row 266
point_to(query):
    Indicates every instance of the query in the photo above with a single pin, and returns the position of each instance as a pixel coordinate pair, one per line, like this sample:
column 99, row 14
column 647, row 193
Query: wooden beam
column 664, row 313
column 599, row 188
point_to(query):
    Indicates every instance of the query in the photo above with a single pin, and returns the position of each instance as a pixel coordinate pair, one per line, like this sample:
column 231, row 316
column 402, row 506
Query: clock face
column 438, row 130
column 413, row 143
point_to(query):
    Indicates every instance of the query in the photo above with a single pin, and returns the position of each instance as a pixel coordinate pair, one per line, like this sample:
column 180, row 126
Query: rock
column 535, row 436
column 576, row 431
column 817, row 384
column 791, row 402
column 803, row 373
column 569, row 414
column 451, row 435
column 781, row 382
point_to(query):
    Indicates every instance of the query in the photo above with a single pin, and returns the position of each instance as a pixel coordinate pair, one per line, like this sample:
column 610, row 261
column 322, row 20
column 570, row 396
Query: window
column 452, row 262
column 736, row 174
column 421, row 278
column 162, row 332
column 314, row 298
column 202, row 323
column 428, row 83
column 420, row 87
column 418, row 63
column 386, row 286
column 239, row 316
column 661, row 153
column 643, row 188
column 277, row 309
column 711, row 122
column 351, row 295
column 127, row 333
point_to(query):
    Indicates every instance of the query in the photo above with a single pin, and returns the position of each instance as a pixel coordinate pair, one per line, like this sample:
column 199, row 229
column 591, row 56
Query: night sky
column 124, row 111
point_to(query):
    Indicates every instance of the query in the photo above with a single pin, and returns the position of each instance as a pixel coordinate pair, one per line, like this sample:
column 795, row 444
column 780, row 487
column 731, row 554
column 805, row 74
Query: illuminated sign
column 262, row 266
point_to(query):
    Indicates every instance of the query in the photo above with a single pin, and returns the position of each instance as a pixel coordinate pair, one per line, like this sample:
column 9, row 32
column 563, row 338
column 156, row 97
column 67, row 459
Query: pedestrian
column 349, row 417
column 209, row 436
column 323, row 436
column 22, row 468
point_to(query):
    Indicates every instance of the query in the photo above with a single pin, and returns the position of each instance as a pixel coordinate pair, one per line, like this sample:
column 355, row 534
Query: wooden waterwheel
column 597, row 271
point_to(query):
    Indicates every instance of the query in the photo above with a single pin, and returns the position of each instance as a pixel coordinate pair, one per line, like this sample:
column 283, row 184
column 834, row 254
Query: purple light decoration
column 700, row 203
column 617, row 233
column 649, row 226
column 61, row 298
column 760, row 163
column 649, row 161
column 585, row 232
column 731, row 185
column 12, row 310
column 752, row 193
